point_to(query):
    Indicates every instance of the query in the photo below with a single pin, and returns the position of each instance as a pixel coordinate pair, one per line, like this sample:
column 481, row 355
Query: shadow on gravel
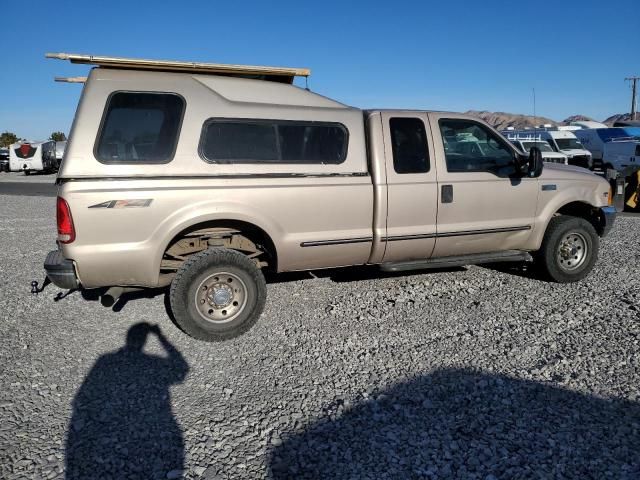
column 463, row 424
column 525, row 270
column 122, row 425
column 93, row 295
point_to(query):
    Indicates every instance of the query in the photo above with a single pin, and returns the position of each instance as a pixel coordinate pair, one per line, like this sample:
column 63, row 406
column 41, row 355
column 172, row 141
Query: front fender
column 551, row 202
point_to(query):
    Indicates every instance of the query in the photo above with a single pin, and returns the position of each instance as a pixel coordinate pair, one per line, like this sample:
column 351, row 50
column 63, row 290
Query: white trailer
column 30, row 157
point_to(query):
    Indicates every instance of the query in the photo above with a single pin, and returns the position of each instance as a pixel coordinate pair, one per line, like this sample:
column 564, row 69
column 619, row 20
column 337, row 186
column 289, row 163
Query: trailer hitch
column 35, row 290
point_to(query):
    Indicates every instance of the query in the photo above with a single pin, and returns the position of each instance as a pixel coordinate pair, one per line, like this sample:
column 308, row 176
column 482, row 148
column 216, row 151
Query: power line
column 634, row 81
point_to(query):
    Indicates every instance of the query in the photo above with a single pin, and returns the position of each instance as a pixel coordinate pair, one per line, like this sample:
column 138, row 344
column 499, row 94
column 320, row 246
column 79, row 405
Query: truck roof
column 274, row 74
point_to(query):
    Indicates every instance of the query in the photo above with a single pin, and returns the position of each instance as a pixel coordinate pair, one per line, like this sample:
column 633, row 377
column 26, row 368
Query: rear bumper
column 61, row 271
column 607, row 218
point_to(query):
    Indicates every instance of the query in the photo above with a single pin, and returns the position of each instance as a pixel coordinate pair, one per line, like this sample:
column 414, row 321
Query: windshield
column 568, row 143
column 543, row 146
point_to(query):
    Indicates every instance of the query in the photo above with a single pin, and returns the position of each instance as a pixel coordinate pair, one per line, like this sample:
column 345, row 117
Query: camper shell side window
column 139, row 128
column 243, row 140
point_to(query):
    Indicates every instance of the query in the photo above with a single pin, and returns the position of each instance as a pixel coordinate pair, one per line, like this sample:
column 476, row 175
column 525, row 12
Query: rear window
column 273, row 141
column 140, row 127
column 409, row 142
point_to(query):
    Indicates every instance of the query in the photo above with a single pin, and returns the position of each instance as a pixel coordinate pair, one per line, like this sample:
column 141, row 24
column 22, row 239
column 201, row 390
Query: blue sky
column 456, row 55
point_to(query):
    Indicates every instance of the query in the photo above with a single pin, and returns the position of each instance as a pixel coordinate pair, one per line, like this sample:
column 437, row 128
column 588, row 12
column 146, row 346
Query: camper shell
column 30, row 157
column 200, row 179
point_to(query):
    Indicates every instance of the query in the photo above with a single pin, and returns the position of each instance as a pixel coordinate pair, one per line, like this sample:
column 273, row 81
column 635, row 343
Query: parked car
column 201, row 181
column 30, row 157
column 4, row 160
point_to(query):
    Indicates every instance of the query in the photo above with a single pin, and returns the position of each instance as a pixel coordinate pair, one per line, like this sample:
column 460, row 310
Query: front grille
column 579, row 160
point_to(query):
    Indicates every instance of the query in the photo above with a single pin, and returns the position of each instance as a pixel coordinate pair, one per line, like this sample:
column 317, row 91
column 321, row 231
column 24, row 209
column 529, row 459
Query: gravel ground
column 472, row 373
column 33, row 178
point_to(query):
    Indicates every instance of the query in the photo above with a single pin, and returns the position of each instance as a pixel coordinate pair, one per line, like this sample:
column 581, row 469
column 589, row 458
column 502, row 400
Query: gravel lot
column 472, row 373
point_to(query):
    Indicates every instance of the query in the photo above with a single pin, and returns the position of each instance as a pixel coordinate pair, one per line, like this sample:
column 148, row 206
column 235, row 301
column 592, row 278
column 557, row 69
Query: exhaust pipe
column 111, row 296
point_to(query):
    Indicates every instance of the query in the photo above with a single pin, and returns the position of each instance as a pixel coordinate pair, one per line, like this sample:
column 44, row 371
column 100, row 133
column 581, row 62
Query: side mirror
column 534, row 164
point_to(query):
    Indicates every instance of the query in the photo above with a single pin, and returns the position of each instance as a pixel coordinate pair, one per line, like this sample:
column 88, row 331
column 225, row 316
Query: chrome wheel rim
column 572, row 251
column 221, row 297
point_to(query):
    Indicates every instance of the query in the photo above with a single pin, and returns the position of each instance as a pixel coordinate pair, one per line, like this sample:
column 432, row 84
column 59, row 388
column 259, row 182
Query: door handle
column 446, row 194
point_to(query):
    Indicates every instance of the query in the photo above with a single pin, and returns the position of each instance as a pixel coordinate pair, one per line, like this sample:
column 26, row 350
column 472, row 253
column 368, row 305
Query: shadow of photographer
column 122, row 424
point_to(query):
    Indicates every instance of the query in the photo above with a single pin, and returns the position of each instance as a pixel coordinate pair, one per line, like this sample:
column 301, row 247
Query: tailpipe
column 111, row 296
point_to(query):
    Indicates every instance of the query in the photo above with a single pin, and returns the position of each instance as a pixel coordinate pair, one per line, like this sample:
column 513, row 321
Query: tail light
column 66, row 230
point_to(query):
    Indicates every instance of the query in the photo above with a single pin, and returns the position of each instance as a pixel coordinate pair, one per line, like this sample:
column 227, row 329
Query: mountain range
column 502, row 120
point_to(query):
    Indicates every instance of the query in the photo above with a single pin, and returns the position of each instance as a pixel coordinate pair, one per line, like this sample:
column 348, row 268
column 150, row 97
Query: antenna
column 633, row 81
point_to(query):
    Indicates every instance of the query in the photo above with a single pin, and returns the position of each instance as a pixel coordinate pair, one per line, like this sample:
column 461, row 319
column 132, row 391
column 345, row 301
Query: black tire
column 192, row 294
column 569, row 249
column 27, row 172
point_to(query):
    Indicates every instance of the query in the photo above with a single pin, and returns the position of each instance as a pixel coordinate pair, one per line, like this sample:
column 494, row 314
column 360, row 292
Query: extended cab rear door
column 483, row 204
column 409, row 229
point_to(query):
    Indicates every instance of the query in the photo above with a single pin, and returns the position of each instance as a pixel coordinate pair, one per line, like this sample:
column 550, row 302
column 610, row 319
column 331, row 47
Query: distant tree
column 58, row 137
column 7, row 138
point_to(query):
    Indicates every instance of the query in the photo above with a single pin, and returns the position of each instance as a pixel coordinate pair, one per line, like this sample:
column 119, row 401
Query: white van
column 30, row 157
column 562, row 141
column 526, row 142
column 607, row 143
column 620, row 155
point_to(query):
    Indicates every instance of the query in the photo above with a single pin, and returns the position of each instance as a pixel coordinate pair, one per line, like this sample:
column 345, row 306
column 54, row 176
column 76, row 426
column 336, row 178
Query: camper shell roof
column 273, row 74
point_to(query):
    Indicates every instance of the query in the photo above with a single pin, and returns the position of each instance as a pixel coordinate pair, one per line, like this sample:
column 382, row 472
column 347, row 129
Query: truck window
column 139, row 127
column 409, row 144
column 470, row 147
column 273, row 141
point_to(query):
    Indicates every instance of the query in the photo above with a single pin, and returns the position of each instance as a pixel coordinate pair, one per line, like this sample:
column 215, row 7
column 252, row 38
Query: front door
column 483, row 204
column 412, row 189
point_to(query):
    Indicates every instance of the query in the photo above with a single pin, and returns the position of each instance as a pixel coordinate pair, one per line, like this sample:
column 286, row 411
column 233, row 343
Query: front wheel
column 569, row 249
column 217, row 294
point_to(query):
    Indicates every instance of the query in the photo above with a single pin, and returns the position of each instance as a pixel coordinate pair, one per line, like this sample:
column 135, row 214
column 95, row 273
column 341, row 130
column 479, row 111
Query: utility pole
column 634, row 81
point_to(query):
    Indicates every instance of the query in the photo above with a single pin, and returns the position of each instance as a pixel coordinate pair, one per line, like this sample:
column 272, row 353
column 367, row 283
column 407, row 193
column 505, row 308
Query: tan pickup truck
column 201, row 176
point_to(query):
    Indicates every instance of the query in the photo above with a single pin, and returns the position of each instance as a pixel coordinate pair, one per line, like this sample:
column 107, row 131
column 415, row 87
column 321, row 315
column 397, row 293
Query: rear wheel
column 569, row 249
column 217, row 294
column 27, row 172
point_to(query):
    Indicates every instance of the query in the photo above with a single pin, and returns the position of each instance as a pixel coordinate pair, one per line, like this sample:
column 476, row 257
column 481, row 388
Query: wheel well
column 237, row 235
column 586, row 211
